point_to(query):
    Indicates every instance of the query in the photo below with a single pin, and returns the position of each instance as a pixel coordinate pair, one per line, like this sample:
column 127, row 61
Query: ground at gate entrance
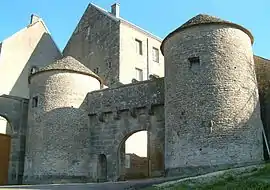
column 251, row 178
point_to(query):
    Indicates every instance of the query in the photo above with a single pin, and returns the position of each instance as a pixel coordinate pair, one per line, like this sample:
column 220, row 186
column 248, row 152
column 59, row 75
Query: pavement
column 123, row 185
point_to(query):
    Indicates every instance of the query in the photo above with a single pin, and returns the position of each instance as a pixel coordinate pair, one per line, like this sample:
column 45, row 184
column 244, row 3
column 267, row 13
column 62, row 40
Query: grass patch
column 257, row 179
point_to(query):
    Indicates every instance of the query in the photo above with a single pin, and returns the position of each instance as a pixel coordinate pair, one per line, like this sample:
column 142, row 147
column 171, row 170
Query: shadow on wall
column 44, row 53
column 262, row 67
column 63, row 134
column 238, row 139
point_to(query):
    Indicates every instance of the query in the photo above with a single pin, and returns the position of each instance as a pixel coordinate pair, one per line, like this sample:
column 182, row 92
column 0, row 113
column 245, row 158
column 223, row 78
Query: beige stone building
column 115, row 49
column 21, row 54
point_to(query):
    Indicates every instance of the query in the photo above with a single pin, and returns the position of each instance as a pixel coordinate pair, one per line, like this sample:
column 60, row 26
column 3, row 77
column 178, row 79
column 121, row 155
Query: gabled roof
column 68, row 63
column 203, row 19
column 40, row 20
column 125, row 22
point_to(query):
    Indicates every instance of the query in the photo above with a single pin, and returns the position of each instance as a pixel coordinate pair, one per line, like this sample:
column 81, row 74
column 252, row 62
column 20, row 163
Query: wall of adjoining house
column 14, row 109
column 95, row 43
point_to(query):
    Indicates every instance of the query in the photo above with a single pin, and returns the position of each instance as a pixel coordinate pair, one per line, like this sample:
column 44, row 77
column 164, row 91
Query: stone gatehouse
column 203, row 115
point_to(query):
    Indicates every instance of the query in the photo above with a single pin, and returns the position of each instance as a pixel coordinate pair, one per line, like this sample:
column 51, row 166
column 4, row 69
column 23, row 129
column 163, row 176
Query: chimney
column 34, row 19
column 115, row 10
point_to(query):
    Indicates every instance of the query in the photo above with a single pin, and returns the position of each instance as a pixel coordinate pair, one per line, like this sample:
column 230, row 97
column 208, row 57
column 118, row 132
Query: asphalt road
column 124, row 185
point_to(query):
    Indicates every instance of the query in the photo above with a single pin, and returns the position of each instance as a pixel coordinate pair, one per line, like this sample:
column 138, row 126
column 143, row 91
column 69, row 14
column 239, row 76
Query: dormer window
column 33, row 70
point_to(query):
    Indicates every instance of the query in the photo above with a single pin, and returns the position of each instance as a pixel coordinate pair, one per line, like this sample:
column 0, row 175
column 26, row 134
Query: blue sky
column 157, row 16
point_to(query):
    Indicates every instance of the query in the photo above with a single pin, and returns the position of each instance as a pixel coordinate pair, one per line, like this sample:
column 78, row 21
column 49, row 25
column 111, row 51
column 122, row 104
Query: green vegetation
column 256, row 180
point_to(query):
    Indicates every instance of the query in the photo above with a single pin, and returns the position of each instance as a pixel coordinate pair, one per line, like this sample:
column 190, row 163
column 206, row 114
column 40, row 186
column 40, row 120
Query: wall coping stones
column 127, row 97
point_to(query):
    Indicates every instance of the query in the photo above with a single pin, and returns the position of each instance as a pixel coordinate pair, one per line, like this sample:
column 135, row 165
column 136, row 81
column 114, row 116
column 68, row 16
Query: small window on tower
column 35, row 102
column 194, row 64
column 194, row 60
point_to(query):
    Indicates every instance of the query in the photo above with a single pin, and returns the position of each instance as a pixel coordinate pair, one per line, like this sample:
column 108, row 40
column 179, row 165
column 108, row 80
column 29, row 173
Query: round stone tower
column 57, row 141
column 212, row 117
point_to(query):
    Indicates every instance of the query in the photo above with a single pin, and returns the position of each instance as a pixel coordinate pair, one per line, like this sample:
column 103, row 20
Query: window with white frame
column 139, row 74
column 138, row 46
column 155, row 54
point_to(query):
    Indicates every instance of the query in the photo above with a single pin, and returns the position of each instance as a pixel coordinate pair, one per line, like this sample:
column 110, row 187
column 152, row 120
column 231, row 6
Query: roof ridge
column 204, row 19
column 125, row 21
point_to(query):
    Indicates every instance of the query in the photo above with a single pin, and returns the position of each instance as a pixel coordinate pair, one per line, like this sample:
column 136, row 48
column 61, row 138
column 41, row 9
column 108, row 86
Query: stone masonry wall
column 211, row 105
column 14, row 109
column 57, row 149
column 95, row 43
column 115, row 114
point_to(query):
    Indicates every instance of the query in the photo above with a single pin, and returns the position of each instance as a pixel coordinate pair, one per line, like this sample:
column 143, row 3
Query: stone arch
column 9, row 126
column 121, row 151
column 14, row 110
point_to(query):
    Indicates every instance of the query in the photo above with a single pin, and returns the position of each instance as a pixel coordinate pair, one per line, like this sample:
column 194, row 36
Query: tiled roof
column 206, row 19
column 68, row 63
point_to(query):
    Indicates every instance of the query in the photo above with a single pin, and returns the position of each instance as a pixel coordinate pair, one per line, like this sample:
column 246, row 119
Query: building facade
column 115, row 49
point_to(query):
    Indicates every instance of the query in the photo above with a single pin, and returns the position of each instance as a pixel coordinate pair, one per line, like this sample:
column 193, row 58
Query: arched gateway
column 14, row 110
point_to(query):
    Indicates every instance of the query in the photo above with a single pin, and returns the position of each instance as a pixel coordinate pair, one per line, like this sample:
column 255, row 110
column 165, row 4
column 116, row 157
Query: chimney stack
column 34, row 19
column 115, row 10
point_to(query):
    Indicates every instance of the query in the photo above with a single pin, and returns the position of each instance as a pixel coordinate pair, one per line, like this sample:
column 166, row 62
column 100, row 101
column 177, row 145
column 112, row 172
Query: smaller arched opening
column 5, row 148
column 102, row 168
column 133, row 156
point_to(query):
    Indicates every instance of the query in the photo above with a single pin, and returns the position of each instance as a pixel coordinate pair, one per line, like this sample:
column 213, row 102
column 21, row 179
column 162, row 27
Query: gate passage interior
column 12, row 144
column 4, row 158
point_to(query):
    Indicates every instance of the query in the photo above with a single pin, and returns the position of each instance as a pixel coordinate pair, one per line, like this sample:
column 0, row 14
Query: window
column 139, row 74
column 194, row 64
column 138, row 46
column 155, row 54
column 194, row 60
column 34, row 102
column 109, row 64
column 96, row 70
column 33, row 69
